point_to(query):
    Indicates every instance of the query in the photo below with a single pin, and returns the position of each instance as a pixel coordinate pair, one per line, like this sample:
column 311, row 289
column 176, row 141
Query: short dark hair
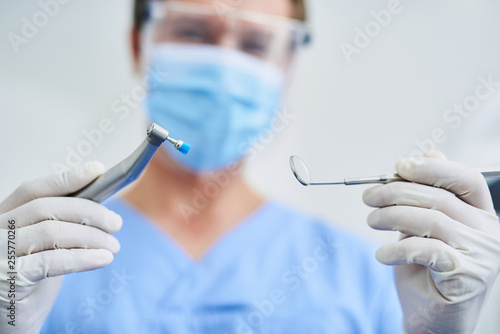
column 140, row 12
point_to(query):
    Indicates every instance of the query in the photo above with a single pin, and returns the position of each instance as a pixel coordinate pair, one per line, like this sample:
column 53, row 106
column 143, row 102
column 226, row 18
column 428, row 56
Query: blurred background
column 394, row 95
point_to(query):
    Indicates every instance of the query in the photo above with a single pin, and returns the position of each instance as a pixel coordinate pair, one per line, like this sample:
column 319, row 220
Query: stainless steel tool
column 302, row 175
column 129, row 169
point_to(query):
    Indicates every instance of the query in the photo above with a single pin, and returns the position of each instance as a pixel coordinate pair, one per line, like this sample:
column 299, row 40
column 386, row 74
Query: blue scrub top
column 279, row 271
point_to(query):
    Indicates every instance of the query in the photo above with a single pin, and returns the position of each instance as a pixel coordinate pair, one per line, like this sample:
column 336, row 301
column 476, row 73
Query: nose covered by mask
column 216, row 99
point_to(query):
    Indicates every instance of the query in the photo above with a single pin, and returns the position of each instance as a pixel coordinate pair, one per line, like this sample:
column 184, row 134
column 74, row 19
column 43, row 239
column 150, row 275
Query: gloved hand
column 53, row 236
column 449, row 255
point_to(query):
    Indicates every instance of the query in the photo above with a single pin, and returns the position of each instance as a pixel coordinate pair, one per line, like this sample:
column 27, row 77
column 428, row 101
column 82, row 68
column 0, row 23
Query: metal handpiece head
column 156, row 132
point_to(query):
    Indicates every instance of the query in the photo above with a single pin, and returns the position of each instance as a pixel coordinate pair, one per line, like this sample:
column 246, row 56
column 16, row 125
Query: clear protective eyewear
column 270, row 38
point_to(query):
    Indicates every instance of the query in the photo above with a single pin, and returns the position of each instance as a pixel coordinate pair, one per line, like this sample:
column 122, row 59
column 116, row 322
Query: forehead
column 272, row 7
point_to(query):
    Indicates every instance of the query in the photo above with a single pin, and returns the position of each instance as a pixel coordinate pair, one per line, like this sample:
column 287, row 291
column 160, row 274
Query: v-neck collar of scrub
column 249, row 222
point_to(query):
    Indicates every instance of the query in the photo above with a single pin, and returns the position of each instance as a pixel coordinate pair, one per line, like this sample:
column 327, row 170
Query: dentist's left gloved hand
column 449, row 255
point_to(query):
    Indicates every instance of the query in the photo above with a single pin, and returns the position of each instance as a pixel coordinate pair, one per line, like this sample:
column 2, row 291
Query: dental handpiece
column 131, row 168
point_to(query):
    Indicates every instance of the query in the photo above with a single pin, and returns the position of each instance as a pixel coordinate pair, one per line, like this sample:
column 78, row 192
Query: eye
column 192, row 30
column 255, row 42
column 253, row 47
column 194, row 35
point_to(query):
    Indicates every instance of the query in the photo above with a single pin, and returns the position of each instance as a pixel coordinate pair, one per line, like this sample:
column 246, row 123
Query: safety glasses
column 270, row 38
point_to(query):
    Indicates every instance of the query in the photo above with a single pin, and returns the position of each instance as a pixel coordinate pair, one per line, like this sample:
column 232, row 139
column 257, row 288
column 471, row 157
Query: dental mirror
column 302, row 175
column 300, row 170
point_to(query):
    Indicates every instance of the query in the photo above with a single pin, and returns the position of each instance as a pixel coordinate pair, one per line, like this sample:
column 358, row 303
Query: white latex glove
column 449, row 255
column 54, row 236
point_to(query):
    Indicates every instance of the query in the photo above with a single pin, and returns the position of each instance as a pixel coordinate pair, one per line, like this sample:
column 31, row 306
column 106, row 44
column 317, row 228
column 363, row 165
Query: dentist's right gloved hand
column 54, row 236
column 449, row 256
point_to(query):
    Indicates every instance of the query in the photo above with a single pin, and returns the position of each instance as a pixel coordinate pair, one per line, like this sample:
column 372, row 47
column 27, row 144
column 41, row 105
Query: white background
column 351, row 119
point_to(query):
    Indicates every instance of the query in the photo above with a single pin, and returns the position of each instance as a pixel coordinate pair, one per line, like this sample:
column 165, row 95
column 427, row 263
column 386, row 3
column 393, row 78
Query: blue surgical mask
column 216, row 99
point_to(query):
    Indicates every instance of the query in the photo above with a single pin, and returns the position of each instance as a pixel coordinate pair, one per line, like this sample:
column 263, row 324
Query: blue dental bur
column 131, row 168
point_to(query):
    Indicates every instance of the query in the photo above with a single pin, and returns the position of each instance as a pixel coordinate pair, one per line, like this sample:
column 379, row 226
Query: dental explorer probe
column 129, row 169
column 302, row 175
